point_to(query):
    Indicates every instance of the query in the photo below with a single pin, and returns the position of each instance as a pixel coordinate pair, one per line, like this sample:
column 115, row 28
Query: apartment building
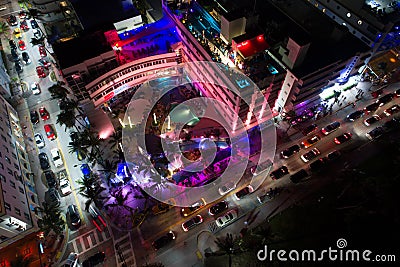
column 18, row 198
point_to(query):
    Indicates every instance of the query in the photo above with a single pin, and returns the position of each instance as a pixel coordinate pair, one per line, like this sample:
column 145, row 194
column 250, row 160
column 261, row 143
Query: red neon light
column 109, row 96
column 102, row 221
column 97, row 226
column 239, row 45
column 245, row 43
column 260, row 38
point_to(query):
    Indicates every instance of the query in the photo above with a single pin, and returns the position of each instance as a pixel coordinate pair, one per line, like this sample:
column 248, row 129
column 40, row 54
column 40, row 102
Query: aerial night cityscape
column 191, row 133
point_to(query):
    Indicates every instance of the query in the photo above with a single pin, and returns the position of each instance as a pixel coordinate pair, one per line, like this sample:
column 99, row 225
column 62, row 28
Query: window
column 17, row 211
column 7, row 206
column 4, row 138
column 12, row 184
column 27, row 216
column 21, row 189
column 8, row 159
column 9, row 171
column 2, row 178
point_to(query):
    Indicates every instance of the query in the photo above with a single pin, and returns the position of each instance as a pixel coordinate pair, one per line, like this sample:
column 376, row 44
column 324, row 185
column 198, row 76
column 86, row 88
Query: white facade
column 17, row 191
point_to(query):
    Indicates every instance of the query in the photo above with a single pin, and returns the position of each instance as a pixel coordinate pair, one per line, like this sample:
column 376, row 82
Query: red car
column 49, row 132
column 40, row 72
column 24, row 26
column 44, row 114
column 21, row 45
column 42, row 51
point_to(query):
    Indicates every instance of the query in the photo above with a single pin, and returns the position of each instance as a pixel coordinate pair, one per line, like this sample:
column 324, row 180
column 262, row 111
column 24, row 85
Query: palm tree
column 109, row 167
column 228, row 246
column 77, row 147
column 66, row 118
column 51, row 219
column 20, row 261
column 116, row 137
column 58, row 91
column 5, row 29
column 92, row 190
column 119, row 201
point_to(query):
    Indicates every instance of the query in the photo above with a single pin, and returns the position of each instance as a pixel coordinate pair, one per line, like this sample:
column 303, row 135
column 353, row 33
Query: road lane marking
column 72, row 186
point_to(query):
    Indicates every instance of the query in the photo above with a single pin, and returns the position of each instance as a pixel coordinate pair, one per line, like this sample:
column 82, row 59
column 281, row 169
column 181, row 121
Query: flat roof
column 95, row 14
column 79, row 49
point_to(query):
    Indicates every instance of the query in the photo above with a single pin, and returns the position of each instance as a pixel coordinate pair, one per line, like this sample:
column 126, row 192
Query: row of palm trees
column 51, row 219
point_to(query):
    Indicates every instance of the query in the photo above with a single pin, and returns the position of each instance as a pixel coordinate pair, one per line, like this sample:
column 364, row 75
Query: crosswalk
column 91, row 239
column 124, row 251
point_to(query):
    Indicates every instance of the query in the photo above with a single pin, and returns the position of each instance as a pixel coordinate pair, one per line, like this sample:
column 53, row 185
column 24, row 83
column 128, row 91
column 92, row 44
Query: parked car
column 375, row 133
column 18, row 67
column 42, row 51
column 46, row 64
column 343, row 138
column 49, row 132
column 397, row 93
column 65, row 186
column 334, row 155
column 23, row 15
column 34, row 24
column 385, row 99
column 26, row 58
column 187, row 211
column 39, row 140
column 228, row 218
column 310, row 155
column 14, row 55
column 75, row 218
column 272, row 192
column 355, row 115
column 310, row 142
column 330, row 128
column 12, row 20
column 318, row 164
column 371, row 108
column 21, row 45
column 163, row 240
column 35, row 88
column 298, row 176
column 24, row 26
column 55, row 154
column 44, row 114
column 12, row 44
column 44, row 161
column 390, row 125
column 17, row 33
column 41, row 73
column 310, row 129
column 50, row 178
column 290, row 151
column 52, row 197
column 85, row 169
column 392, row 110
column 226, row 188
column 196, row 220
column 217, row 208
column 34, row 116
column 244, row 192
column 371, row 120
column 279, row 173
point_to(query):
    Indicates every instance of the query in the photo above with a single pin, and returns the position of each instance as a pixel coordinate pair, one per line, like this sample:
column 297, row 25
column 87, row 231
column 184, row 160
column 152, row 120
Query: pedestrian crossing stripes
column 124, row 251
column 91, row 239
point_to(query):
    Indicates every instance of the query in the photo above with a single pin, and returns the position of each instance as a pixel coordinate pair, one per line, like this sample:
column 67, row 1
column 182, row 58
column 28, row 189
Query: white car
column 228, row 218
column 39, row 141
column 35, row 89
column 65, row 187
column 55, row 154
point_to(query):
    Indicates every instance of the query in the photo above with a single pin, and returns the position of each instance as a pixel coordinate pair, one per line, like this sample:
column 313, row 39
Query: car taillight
column 102, row 221
column 337, row 141
column 184, row 227
column 97, row 226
